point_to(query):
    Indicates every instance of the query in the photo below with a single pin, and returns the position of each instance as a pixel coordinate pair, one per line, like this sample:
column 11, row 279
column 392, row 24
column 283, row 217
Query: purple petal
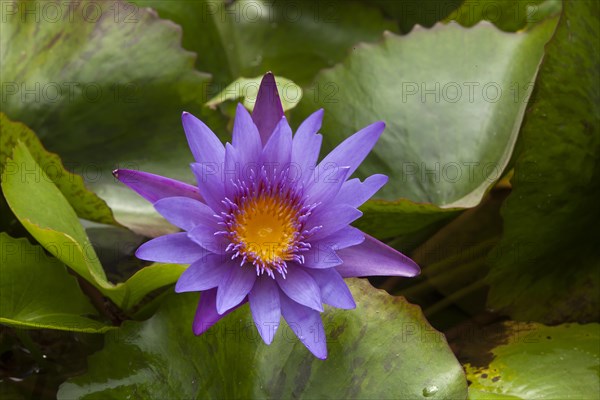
column 185, row 213
column 204, row 144
column 264, row 303
column 373, row 258
column 300, row 287
column 352, row 151
column 204, row 236
column 210, row 183
column 345, row 237
column 174, row 248
column 246, row 138
column 306, row 324
column 334, row 290
column 278, row 150
column 321, row 255
column 234, row 287
column 267, row 109
column 332, row 219
column 232, row 169
column 328, row 185
column 155, row 187
column 206, row 313
column 203, row 274
column 355, row 192
column 306, row 146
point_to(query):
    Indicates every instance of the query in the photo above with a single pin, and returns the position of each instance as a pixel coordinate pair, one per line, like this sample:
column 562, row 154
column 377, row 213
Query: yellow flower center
column 266, row 228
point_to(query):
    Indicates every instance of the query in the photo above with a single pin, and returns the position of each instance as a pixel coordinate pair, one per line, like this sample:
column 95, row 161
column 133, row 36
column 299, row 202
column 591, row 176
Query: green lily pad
column 549, row 253
column 292, row 39
column 56, row 227
column 453, row 100
column 385, row 338
column 533, row 361
column 247, row 89
column 96, row 80
column 37, row 292
column 86, row 204
column 104, row 87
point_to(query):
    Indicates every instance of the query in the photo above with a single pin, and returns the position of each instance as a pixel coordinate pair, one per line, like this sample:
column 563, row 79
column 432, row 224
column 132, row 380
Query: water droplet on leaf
column 430, row 391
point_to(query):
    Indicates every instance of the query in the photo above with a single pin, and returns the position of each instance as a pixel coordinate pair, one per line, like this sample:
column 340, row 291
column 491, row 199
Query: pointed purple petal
column 355, row 192
column 345, row 237
column 246, row 138
column 204, row 236
column 373, row 258
column 174, row 248
column 185, row 213
column 306, row 146
column 306, row 324
column 352, row 151
column 300, row 287
column 278, row 150
column 209, row 153
column 231, row 169
column 267, row 109
column 234, row 287
column 155, row 187
column 203, row 274
column 321, row 255
column 264, row 303
column 333, row 219
column 206, row 313
column 204, row 144
column 328, row 185
column 210, row 183
column 334, row 290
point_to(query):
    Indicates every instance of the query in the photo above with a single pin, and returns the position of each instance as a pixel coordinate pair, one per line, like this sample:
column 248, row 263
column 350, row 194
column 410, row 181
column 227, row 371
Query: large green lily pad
column 96, row 79
column 532, row 361
column 453, row 100
column 383, row 349
column 549, row 253
column 36, row 291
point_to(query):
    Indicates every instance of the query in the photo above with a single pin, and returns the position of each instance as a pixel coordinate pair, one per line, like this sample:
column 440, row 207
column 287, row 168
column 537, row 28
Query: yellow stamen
column 266, row 227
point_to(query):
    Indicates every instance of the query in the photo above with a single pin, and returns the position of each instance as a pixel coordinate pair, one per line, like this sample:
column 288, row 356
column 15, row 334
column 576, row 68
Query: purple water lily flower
column 267, row 224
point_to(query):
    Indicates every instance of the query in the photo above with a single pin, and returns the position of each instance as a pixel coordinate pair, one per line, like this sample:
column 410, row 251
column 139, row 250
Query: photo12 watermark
column 66, row 11
column 468, row 91
column 69, row 92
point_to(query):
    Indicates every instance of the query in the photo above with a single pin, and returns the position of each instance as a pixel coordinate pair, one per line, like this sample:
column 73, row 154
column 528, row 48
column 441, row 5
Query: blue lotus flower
column 267, row 224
